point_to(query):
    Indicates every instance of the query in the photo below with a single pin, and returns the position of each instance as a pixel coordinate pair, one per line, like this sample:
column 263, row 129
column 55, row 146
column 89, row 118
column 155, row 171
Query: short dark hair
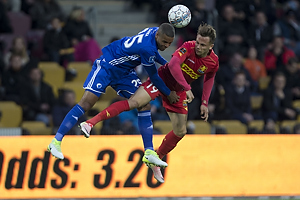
column 278, row 74
column 206, row 30
column 167, row 29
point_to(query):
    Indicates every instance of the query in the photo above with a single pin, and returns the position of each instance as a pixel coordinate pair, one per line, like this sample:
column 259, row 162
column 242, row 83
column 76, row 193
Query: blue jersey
column 129, row 52
column 116, row 66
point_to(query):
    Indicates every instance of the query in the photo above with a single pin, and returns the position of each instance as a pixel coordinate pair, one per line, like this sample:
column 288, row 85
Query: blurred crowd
column 34, row 31
column 258, row 46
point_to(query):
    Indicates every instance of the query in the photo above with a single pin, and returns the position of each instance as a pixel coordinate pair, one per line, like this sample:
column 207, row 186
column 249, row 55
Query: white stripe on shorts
column 94, row 75
column 144, row 114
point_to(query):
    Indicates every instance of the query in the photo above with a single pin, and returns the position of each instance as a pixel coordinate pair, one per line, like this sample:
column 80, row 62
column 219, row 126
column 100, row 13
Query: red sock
column 168, row 144
column 109, row 112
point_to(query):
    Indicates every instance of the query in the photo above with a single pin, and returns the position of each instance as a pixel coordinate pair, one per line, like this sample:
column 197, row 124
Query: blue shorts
column 125, row 83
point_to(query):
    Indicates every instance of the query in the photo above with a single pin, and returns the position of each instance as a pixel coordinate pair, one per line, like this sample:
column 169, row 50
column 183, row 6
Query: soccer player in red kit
column 189, row 62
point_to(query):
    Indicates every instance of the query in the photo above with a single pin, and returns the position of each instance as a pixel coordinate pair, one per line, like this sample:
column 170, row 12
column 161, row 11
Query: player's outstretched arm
column 160, row 60
column 160, row 85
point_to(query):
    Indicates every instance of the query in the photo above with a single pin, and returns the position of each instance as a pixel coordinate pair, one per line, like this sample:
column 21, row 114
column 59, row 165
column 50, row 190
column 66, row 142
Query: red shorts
column 179, row 107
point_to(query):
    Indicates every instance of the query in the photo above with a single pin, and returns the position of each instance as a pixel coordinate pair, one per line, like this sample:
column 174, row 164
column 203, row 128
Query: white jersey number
column 154, row 89
column 128, row 44
column 136, row 82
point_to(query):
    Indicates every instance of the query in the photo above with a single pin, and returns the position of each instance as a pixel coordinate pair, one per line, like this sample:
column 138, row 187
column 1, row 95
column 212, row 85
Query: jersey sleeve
column 183, row 52
column 177, row 74
column 208, row 84
column 148, row 56
column 160, row 59
column 148, row 62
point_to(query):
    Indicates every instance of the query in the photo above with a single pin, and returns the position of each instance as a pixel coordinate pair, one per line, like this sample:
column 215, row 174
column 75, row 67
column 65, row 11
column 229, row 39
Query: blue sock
column 146, row 128
column 69, row 121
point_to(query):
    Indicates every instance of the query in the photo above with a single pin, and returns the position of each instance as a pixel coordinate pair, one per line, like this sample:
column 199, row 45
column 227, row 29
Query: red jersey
column 192, row 68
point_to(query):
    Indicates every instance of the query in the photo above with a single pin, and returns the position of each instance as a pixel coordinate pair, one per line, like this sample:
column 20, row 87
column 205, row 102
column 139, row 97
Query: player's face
column 202, row 46
column 163, row 41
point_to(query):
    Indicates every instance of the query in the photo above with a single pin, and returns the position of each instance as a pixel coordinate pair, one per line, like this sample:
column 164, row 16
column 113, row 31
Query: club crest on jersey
column 152, row 59
column 182, row 51
column 99, row 85
column 185, row 104
column 202, row 69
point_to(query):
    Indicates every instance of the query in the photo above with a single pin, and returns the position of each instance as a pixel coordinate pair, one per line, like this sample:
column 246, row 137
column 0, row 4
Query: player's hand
column 189, row 96
column 173, row 97
column 204, row 112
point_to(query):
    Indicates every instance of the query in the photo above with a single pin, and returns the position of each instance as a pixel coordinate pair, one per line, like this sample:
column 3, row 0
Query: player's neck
column 201, row 56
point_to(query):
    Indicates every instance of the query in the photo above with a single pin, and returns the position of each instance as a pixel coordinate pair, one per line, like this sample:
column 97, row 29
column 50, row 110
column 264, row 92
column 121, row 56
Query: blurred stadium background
column 112, row 19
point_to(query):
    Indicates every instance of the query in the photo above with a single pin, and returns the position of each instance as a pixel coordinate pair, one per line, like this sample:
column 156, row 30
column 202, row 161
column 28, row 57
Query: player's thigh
column 178, row 123
column 127, row 85
column 150, row 89
column 139, row 99
column 178, row 107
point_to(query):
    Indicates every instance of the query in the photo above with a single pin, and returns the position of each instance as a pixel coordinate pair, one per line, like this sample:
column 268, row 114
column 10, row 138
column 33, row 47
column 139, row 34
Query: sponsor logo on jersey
column 182, row 51
column 202, row 69
column 189, row 71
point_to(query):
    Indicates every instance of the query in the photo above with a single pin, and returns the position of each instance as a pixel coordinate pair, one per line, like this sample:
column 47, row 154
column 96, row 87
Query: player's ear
column 211, row 46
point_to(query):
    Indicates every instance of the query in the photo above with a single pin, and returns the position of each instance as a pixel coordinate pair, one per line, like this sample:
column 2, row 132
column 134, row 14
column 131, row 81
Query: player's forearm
column 176, row 72
column 157, row 81
column 207, row 87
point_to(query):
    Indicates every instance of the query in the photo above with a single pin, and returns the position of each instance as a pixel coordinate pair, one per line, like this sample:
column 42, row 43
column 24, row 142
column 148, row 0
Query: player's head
column 206, row 37
column 164, row 36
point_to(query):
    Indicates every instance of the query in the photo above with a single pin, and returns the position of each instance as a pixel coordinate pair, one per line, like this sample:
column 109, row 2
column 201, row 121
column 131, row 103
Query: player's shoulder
column 189, row 44
column 148, row 31
column 213, row 56
column 186, row 47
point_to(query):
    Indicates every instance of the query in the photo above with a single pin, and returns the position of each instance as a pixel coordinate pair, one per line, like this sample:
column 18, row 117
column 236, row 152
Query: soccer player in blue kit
column 115, row 68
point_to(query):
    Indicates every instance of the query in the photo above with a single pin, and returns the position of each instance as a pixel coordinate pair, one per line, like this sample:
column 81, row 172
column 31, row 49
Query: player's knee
column 133, row 104
column 180, row 133
column 85, row 105
column 145, row 107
